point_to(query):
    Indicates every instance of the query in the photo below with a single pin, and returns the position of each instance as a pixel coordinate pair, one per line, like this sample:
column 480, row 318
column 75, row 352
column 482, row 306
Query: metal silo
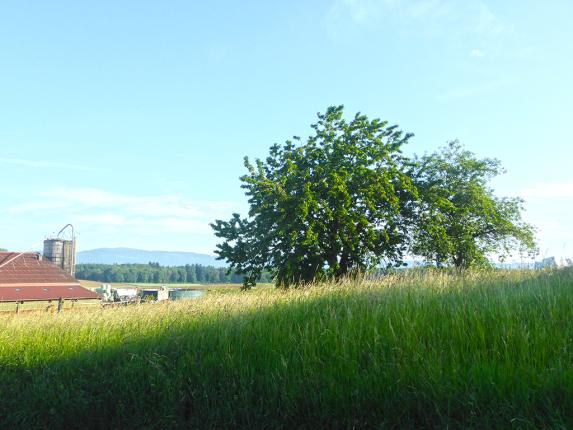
column 62, row 252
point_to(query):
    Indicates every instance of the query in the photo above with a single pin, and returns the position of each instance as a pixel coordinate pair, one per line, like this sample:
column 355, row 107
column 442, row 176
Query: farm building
column 155, row 294
column 30, row 282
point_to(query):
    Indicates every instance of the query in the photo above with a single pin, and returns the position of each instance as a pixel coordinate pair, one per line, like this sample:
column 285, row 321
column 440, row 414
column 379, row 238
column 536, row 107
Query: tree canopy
column 459, row 220
column 346, row 200
column 337, row 203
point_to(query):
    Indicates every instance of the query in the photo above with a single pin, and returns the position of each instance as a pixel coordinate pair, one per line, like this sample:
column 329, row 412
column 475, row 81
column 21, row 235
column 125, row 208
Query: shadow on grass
column 321, row 363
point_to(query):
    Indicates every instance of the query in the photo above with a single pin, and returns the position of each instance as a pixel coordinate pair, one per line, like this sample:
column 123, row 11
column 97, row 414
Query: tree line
column 157, row 274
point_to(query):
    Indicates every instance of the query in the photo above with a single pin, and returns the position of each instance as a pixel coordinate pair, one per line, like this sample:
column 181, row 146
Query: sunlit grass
column 489, row 349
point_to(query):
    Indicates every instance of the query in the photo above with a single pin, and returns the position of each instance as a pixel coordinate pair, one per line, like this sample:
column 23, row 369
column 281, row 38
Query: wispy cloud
column 428, row 9
column 216, row 52
column 141, row 224
column 472, row 16
column 364, row 11
column 96, row 208
column 477, row 53
column 41, row 164
column 165, row 205
column 486, row 22
column 549, row 190
column 470, row 91
column 345, row 13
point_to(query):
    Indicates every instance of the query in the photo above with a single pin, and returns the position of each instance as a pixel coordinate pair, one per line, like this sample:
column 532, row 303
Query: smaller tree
column 459, row 219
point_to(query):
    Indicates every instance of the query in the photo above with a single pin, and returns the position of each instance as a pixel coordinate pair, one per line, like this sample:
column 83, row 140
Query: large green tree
column 459, row 219
column 336, row 204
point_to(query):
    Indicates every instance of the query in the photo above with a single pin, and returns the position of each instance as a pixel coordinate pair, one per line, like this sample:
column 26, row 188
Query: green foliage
column 335, row 205
column 154, row 273
column 459, row 220
column 490, row 350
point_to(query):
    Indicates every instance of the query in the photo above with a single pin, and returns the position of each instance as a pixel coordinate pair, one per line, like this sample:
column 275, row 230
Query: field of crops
column 487, row 350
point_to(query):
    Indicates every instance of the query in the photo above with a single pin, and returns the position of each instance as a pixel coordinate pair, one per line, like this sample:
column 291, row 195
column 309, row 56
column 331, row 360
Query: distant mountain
column 139, row 256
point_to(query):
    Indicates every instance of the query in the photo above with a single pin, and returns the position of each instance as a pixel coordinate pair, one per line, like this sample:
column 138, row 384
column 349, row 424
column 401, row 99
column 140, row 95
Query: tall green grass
column 487, row 350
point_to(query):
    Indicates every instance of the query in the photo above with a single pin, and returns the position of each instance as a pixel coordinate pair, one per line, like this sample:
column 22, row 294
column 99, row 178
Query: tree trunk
column 342, row 267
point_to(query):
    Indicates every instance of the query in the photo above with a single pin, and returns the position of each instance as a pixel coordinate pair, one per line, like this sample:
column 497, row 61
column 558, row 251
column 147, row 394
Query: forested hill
column 140, row 256
column 155, row 273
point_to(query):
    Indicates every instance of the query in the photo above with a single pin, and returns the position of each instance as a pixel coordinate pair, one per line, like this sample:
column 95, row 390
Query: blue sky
column 130, row 119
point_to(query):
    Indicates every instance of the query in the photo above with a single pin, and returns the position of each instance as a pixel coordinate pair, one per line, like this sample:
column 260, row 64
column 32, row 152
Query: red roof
column 28, row 276
column 30, row 268
column 27, row 293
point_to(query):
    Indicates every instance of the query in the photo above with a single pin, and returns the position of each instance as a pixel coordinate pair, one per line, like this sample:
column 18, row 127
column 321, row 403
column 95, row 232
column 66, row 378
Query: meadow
column 489, row 349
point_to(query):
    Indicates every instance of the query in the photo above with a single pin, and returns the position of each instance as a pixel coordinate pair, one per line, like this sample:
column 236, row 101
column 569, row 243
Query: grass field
column 490, row 350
